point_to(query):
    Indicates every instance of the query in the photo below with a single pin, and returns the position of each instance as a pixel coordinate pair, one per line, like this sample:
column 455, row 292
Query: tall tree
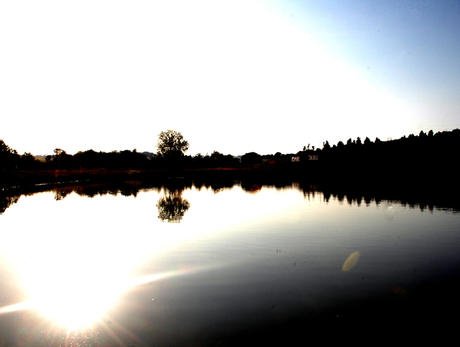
column 171, row 144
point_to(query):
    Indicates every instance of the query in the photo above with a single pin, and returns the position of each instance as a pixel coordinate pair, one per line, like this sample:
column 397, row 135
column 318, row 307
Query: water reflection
column 91, row 263
column 171, row 206
column 6, row 201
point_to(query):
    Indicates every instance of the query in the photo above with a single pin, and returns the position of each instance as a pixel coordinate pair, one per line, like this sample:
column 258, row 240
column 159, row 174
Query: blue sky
column 233, row 76
column 412, row 47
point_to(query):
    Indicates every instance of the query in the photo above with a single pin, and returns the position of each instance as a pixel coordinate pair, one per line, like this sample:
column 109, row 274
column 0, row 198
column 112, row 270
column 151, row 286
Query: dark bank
column 426, row 159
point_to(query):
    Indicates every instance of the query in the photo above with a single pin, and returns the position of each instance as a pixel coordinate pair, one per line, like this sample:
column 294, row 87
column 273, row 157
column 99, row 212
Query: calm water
column 198, row 267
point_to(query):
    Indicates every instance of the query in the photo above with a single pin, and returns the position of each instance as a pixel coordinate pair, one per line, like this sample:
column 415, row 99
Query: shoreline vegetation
column 418, row 170
column 427, row 159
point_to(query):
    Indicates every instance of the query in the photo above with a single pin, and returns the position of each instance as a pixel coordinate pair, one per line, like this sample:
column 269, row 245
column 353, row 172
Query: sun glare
column 74, row 274
column 72, row 290
column 75, row 301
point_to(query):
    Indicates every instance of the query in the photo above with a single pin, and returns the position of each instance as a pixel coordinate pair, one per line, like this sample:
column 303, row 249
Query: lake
column 224, row 266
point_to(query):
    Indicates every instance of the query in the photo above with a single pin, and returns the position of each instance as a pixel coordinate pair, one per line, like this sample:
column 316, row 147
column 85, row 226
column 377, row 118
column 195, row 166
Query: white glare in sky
column 231, row 76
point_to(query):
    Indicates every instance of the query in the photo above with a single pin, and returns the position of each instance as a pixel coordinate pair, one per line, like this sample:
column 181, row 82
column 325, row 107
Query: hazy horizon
column 234, row 77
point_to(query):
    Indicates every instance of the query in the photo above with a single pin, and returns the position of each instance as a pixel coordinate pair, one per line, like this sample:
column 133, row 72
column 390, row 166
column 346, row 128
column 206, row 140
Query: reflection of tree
column 60, row 194
column 250, row 187
column 172, row 207
column 6, row 201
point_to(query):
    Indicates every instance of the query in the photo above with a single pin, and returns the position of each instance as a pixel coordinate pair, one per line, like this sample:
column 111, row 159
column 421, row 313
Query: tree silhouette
column 171, row 144
column 8, row 156
column 4, row 148
column 251, row 158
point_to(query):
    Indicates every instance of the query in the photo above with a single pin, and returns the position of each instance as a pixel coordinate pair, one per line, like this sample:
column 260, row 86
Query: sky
column 231, row 76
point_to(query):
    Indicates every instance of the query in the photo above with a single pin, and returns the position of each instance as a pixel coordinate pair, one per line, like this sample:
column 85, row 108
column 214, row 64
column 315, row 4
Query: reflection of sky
column 74, row 259
column 278, row 75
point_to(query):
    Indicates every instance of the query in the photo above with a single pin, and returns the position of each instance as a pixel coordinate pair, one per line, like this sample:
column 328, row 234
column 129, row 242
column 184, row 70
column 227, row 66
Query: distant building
column 313, row 157
column 295, row 159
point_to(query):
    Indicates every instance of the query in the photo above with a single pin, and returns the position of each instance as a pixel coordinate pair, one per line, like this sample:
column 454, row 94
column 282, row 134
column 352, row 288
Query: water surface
column 201, row 266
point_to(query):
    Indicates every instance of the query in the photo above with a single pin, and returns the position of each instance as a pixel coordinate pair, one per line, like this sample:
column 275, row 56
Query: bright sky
column 233, row 76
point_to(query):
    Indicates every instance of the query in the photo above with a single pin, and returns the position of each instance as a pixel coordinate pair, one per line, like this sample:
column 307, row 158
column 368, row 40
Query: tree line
column 425, row 151
column 414, row 157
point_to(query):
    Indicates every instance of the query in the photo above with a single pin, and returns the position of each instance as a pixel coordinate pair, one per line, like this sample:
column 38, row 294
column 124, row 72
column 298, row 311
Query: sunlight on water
column 74, row 269
column 86, row 302
column 76, row 257
column 82, row 304
column 79, row 263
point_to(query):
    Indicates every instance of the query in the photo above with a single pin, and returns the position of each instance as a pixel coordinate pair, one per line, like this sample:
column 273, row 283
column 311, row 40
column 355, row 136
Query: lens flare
column 351, row 261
